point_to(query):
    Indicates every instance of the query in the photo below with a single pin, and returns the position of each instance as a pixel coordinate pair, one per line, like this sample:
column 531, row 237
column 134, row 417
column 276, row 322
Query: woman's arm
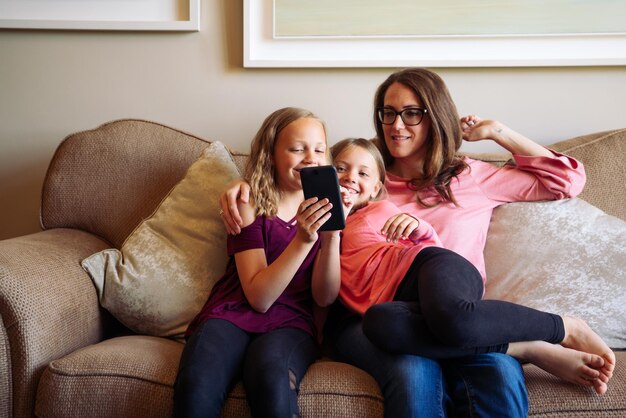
column 237, row 191
column 476, row 129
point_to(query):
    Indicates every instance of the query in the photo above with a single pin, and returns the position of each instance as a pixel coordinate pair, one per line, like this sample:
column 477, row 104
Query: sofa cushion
column 165, row 269
column 134, row 376
column 549, row 396
column 602, row 154
column 565, row 257
column 108, row 179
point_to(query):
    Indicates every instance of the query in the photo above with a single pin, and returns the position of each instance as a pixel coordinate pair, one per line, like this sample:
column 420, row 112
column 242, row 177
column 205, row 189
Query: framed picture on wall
column 153, row 15
column 433, row 33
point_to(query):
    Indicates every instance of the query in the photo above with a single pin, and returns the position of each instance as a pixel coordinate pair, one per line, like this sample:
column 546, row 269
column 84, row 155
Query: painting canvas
column 373, row 18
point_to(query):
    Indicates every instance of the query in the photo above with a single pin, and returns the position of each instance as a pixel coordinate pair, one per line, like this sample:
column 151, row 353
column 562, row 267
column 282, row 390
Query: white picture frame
column 262, row 49
column 153, row 15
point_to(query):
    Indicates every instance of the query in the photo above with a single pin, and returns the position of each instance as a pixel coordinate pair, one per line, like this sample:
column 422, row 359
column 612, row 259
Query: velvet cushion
column 160, row 278
column 566, row 257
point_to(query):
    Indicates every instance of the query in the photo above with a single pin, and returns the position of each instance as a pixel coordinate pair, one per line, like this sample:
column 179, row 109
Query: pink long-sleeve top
column 478, row 191
column 372, row 268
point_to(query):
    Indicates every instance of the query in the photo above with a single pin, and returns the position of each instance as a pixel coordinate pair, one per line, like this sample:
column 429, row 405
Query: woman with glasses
column 419, row 133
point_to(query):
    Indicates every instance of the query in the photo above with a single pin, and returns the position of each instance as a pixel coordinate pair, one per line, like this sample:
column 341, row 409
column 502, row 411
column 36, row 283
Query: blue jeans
column 219, row 354
column 482, row 385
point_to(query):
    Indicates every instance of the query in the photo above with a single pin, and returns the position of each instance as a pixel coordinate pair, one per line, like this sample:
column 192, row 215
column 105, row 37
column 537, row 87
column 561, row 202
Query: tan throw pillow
column 565, row 257
column 160, row 278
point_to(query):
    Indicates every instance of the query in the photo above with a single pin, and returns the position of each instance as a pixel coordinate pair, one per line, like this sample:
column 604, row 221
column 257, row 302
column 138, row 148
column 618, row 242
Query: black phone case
column 322, row 182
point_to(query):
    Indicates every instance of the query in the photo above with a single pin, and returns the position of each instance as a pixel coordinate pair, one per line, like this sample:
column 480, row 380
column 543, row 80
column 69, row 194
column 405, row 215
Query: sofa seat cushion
column 133, row 376
column 550, row 396
column 121, row 377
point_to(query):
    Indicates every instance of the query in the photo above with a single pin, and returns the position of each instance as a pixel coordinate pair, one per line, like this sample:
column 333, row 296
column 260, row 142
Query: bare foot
column 579, row 336
column 571, row 365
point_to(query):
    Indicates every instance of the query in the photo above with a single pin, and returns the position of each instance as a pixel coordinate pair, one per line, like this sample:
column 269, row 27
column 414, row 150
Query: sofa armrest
column 48, row 308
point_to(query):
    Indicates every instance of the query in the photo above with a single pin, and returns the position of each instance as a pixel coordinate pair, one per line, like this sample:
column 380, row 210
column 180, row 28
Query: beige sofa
column 62, row 355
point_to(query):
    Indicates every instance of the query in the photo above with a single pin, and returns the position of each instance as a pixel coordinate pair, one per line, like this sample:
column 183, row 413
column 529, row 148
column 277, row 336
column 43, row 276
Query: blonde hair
column 442, row 163
column 370, row 147
column 263, row 187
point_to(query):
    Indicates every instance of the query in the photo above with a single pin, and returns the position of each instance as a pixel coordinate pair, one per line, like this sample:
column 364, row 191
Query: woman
column 444, row 315
column 419, row 134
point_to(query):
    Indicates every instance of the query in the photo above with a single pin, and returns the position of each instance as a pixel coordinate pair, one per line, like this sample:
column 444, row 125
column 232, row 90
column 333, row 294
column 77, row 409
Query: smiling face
column 404, row 142
column 358, row 172
column 300, row 144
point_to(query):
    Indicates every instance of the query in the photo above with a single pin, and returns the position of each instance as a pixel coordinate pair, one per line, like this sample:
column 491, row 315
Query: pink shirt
column 372, row 268
column 478, row 191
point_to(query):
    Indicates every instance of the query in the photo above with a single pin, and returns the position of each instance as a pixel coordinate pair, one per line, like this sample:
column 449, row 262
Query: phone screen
column 322, row 182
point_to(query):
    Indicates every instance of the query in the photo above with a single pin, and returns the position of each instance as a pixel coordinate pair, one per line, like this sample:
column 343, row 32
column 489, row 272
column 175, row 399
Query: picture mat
column 263, row 50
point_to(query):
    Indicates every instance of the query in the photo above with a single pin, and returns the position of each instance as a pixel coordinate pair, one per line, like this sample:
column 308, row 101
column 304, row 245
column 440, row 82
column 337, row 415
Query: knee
column 506, row 369
column 382, row 322
column 271, row 391
column 412, row 386
column 414, row 371
column 506, row 373
column 197, row 394
column 270, row 377
column 192, row 379
column 451, row 327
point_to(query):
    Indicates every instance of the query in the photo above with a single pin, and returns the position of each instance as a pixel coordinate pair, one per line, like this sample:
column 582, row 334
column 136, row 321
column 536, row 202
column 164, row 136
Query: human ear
column 376, row 190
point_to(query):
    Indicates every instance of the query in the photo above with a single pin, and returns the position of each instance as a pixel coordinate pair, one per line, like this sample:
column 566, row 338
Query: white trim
column 77, row 23
column 262, row 49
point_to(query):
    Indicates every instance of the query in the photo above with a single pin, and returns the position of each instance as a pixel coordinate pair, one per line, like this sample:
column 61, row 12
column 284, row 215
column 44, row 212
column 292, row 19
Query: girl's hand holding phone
column 312, row 214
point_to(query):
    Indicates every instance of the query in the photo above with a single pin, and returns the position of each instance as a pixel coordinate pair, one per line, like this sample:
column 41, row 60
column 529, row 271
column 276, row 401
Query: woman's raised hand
column 477, row 129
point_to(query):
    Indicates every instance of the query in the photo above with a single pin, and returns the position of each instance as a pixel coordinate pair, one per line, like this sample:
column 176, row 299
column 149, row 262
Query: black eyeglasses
column 411, row 116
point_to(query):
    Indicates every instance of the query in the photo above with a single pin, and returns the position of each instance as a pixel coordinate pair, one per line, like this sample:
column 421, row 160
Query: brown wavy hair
column 442, row 163
column 259, row 171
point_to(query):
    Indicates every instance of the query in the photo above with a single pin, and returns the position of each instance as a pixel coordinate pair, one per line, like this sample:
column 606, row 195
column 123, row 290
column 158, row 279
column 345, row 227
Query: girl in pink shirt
column 446, row 316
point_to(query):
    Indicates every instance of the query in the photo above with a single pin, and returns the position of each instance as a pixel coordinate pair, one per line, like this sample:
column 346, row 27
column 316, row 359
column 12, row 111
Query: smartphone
column 322, row 182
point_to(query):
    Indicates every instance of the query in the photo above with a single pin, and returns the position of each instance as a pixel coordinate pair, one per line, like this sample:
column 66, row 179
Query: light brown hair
column 259, row 171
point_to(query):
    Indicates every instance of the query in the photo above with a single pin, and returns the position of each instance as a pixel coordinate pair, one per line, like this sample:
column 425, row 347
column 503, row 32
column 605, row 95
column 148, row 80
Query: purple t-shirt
column 293, row 308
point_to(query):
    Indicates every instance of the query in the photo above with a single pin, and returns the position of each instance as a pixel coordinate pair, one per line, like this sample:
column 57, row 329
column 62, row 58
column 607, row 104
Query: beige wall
column 53, row 83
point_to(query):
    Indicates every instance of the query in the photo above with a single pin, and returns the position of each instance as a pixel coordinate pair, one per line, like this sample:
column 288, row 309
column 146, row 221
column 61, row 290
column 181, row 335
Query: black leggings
column 438, row 312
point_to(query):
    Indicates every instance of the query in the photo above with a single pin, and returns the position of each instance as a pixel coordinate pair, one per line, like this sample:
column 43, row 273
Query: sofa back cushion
column 160, row 278
column 106, row 180
column 603, row 155
column 564, row 256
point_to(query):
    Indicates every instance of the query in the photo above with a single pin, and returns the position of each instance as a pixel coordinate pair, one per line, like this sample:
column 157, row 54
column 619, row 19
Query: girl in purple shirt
column 257, row 323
